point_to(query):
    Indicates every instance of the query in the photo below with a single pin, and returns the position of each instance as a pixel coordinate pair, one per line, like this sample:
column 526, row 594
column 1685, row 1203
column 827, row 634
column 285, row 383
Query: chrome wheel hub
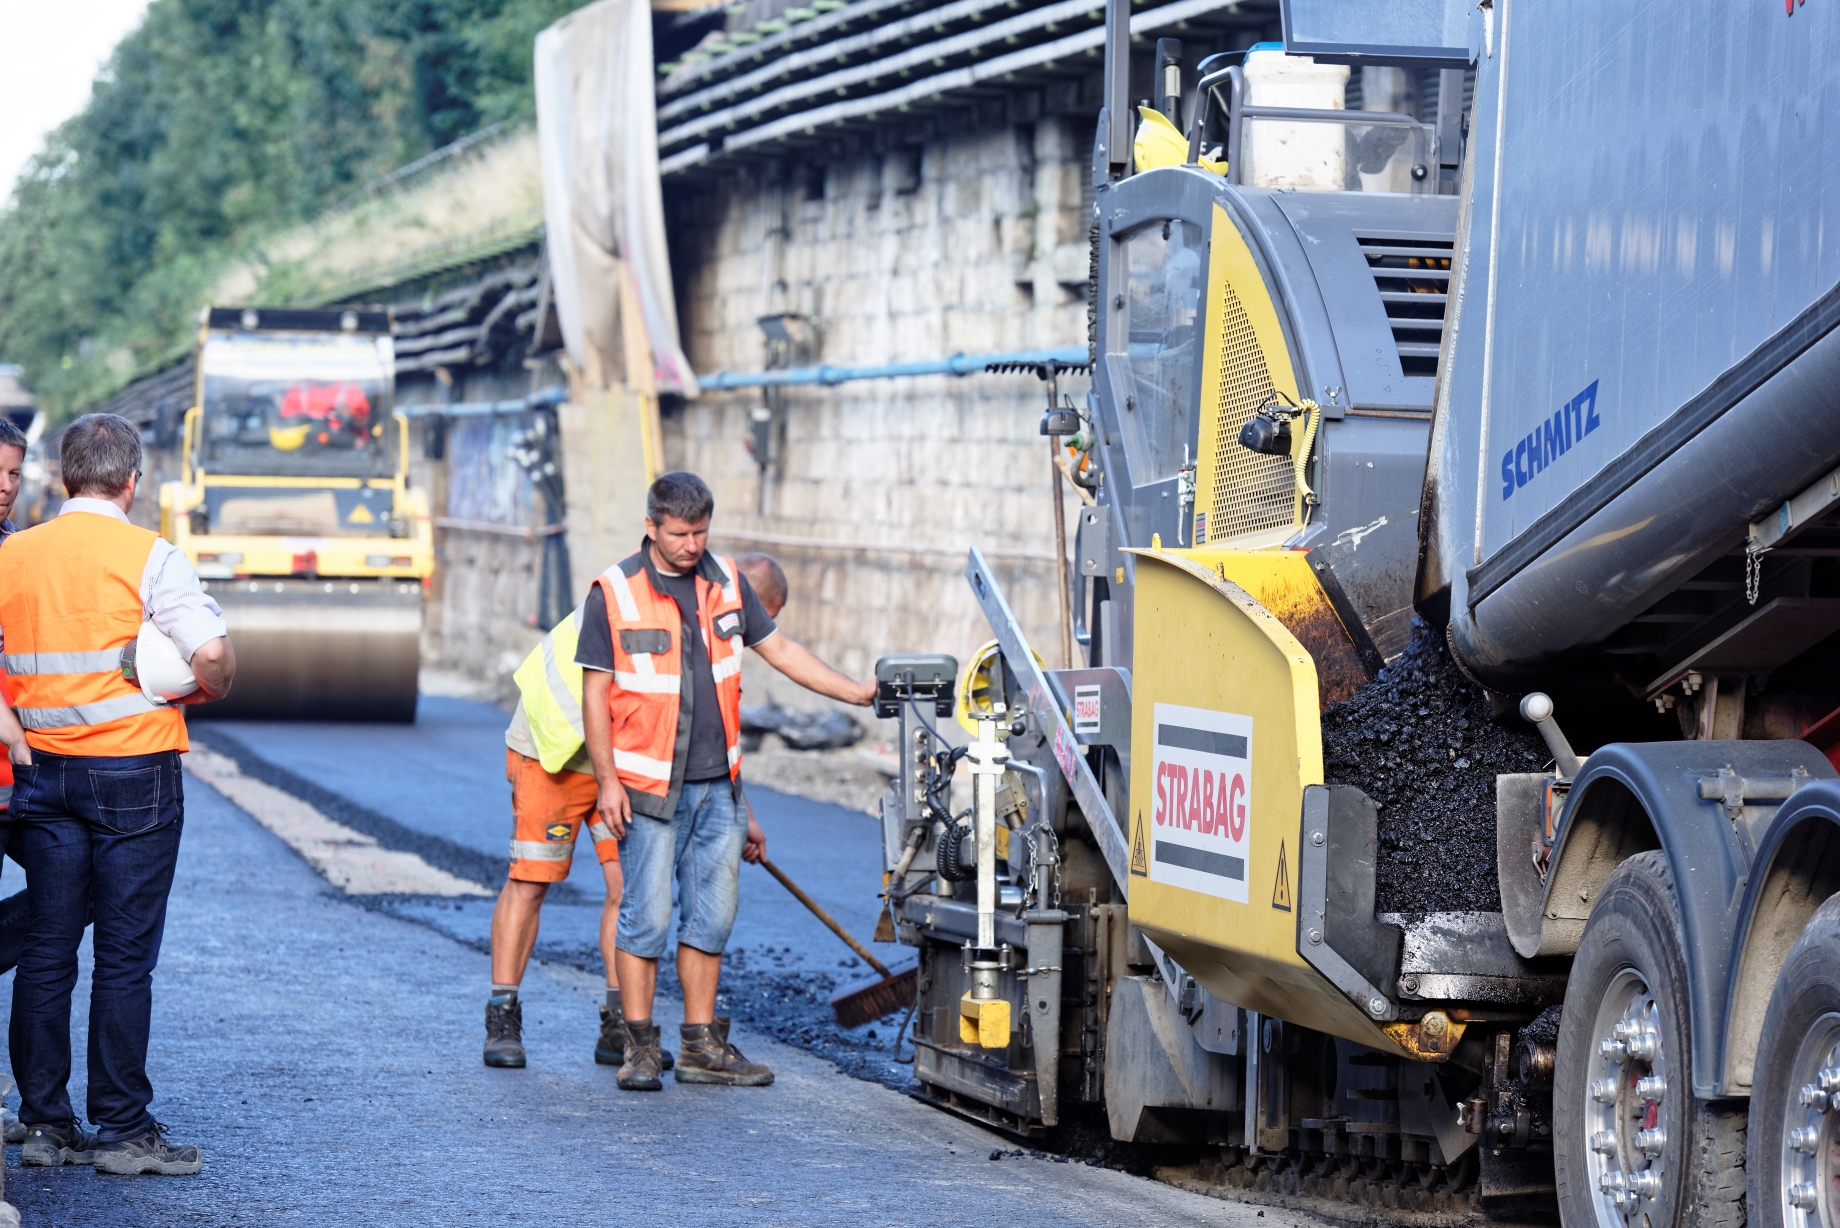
column 1625, row 1121
column 1808, row 1156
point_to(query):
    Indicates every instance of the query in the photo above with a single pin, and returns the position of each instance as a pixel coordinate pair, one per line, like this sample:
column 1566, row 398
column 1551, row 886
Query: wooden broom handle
column 825, row 917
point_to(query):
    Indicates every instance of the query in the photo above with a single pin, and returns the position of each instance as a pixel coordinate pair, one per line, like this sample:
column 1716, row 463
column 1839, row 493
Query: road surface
column 323, row 1047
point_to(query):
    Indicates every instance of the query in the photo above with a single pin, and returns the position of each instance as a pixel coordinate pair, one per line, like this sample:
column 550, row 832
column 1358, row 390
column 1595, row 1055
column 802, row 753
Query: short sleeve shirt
column 708, row 754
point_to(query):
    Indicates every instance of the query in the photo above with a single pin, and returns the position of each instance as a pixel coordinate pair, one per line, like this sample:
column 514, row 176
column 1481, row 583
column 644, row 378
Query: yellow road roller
column 294, row 505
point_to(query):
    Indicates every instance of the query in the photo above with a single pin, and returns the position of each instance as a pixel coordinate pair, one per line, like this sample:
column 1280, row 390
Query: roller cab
column 295, row 508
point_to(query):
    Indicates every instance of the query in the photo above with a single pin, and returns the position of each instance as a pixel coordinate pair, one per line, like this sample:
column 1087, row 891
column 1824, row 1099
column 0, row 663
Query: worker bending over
column 553, row 796
column 661, row 640
column 97, row 801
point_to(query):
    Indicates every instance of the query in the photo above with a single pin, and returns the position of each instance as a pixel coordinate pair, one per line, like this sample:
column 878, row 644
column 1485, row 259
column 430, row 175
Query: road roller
column 294, row 505
column 1466, row 477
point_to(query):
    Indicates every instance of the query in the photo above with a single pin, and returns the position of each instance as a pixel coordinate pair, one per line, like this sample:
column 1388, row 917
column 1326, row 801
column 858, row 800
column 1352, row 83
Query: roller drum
column 326, row 650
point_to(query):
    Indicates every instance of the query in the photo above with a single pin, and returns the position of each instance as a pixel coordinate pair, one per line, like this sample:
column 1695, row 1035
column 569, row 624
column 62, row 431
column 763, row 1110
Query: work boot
column 150, row 1153
column 505, row 1033
column 709, row 1058
column 54, row 1146
column 610, row 1049
column 640, row 1071
column 11, row 1127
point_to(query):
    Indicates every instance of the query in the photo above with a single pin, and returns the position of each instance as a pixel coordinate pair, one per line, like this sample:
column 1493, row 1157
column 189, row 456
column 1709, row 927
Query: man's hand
column 614, row 807
column 13, row 737
column 756, row 846
column 801, row 665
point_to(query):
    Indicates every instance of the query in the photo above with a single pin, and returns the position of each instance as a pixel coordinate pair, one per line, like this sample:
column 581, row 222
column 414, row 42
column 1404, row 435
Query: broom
column 860, row 1003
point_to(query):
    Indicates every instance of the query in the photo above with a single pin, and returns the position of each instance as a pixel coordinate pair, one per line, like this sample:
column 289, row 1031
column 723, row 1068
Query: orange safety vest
column 649, row 738
column 70, row 601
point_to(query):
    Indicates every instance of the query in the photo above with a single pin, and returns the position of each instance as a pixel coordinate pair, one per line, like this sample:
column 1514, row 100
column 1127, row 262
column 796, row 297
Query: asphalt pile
column 1418, row 740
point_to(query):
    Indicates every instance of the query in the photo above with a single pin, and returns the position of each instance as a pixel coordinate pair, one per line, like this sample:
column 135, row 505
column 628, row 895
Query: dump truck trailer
column 1525, row 393
column 294, row 505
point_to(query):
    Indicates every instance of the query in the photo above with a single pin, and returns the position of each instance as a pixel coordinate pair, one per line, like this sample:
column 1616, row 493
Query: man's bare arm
column 614, row 806
column 798, row 663
column 214, row 665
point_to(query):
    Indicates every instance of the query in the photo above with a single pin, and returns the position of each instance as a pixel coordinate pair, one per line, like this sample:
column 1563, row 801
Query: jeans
column 700, row 844
column 96, row 835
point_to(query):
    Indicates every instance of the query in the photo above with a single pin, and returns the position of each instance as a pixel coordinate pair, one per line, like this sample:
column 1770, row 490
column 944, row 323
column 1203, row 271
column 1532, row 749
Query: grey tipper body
column 1647, row 251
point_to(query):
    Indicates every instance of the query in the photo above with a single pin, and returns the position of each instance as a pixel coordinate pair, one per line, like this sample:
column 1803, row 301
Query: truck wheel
column 1794, row 1127
column 1632, row 1146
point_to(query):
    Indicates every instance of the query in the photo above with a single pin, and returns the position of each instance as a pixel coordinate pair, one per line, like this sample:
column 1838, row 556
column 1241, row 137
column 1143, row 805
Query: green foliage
column 215, row 124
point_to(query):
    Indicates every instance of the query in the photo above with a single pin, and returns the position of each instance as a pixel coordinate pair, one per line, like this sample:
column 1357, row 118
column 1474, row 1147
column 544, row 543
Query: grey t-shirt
column 708, row 755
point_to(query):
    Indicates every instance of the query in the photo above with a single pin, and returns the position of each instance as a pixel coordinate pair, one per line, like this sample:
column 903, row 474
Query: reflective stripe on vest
column 6, row 796
column 98, row 713
column 550, row 683
column 632, row 762
column 646, row 698
column 542, row 850
column 99, row 662
column 70, row 601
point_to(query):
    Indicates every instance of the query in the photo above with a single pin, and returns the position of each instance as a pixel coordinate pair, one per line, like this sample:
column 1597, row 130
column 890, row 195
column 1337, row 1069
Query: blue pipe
column 543, row 398
column 957, row 364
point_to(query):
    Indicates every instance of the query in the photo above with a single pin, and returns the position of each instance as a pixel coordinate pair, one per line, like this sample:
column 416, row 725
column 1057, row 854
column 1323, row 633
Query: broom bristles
column 866, row 1001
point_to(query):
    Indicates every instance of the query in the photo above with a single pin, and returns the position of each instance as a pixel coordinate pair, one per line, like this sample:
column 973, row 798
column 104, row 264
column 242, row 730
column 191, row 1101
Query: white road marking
column 351, row 860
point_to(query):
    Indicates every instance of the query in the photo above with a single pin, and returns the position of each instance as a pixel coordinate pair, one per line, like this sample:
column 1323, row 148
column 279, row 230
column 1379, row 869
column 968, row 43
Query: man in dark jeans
column 97, row 800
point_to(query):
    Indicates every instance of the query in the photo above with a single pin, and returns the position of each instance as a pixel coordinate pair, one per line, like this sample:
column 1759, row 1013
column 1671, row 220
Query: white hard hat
column 158, row 667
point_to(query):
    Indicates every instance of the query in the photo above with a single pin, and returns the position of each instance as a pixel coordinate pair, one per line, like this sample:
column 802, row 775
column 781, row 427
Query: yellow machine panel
column 1240, row 493
column 1225, row 702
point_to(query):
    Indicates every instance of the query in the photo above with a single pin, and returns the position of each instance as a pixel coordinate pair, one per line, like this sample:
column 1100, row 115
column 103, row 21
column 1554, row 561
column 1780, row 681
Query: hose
column 1301, row 443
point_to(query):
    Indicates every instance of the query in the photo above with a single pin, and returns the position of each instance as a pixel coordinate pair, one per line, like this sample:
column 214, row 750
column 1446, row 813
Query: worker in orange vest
column 97, row 801
column 661, row 640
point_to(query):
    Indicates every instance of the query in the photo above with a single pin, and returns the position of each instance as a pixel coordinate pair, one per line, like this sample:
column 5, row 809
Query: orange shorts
column 548, row 810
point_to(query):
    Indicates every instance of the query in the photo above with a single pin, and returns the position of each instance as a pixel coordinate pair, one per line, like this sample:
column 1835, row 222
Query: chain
column 1753, row 572
column 1039, row 857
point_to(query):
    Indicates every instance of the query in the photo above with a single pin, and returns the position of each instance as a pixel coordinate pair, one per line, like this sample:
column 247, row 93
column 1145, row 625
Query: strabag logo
column 1201, row 826
column 1553, row 438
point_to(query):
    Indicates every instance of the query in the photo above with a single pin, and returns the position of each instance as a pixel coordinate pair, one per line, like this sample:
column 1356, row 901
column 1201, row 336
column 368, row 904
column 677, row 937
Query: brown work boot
column 707, row 1057
column 610, row 1049
column 640, row 1072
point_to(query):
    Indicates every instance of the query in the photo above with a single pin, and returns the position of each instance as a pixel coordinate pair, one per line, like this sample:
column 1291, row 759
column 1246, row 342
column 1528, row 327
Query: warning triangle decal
column 1140, row 864
column 1281, row 891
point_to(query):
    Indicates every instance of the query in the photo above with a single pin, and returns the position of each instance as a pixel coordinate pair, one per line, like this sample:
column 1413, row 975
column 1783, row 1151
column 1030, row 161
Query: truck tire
column 1632, row 1146
column 1793, row 1086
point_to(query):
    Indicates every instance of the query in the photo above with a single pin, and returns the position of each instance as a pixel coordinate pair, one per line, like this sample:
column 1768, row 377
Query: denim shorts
column 699, row 846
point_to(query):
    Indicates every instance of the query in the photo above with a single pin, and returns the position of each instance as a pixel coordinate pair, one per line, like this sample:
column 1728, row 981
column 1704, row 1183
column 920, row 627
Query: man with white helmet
column 97, row 803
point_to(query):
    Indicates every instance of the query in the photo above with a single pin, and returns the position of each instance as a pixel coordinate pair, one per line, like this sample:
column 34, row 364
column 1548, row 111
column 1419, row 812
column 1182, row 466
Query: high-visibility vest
column 643, row 701
column 550, row 682
column 70, row 601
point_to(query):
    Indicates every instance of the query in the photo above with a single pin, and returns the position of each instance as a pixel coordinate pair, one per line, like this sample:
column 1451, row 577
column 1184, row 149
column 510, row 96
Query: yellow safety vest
column 550, row 682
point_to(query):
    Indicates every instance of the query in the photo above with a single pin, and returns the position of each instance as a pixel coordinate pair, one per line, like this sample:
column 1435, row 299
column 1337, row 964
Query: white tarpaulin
column 597, row 127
